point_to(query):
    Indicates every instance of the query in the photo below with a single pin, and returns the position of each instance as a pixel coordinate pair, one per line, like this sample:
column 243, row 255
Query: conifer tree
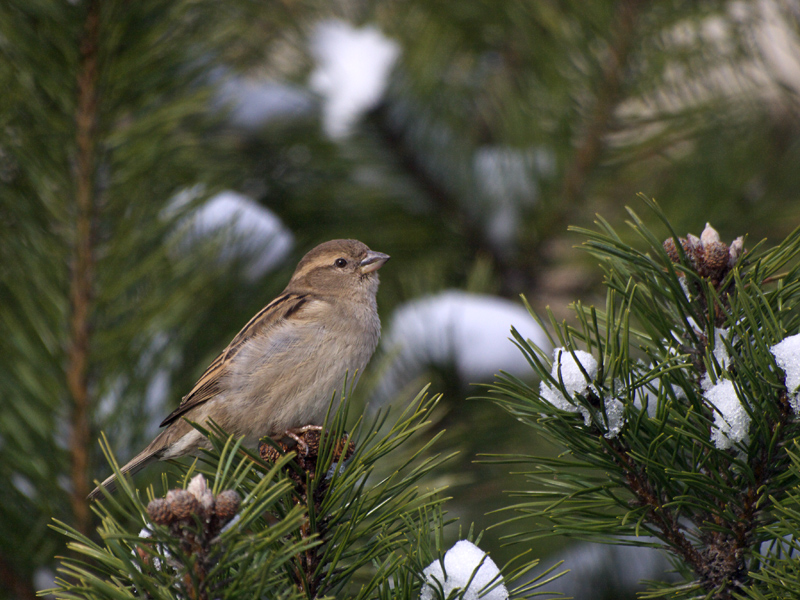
column 104, row 118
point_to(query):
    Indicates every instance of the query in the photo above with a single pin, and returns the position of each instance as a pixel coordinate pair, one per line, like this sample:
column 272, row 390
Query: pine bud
column 160, row 512
column 736, row 249
column 693, row 250
column 671, row 250
column 312, row 439
column 269, row 453
column 182, row 503
column 199, row 489
column 715, row 257
column 345, row 448
column 227, row 505
column 709, row 235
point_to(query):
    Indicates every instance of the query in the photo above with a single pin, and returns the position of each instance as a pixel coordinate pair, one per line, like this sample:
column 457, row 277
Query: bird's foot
column 296, row 433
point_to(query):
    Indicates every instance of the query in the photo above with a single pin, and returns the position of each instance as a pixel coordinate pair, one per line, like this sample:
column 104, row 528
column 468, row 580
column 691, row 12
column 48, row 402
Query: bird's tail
column 137, row 463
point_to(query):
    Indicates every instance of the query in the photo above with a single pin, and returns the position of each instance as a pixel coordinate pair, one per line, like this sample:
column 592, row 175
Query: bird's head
column 339, row 267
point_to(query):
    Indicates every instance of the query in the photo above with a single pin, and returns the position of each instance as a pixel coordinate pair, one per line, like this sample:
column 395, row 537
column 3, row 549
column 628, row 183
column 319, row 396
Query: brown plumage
column 282, row 368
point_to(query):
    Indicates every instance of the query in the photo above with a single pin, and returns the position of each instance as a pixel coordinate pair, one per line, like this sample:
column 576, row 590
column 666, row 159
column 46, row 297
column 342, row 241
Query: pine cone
column 182, row 503
column 160, row 512
column 226, row 505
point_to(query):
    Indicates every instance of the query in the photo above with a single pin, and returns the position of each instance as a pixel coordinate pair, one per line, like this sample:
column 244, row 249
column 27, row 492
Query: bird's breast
column 287, row 376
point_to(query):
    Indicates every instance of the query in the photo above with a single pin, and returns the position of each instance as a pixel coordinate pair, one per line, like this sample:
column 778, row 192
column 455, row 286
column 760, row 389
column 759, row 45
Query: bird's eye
column 340, row 262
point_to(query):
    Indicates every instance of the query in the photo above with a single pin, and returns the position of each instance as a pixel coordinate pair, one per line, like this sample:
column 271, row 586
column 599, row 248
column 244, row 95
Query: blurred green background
column 163, row 167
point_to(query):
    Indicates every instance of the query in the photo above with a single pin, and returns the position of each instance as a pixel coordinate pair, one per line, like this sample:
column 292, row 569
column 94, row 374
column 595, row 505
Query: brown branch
column 446, row 202
column 607, row 97
column 514, row 276
column 10, row 580
column 83, row 266
column 721, row 564
column 660, row 516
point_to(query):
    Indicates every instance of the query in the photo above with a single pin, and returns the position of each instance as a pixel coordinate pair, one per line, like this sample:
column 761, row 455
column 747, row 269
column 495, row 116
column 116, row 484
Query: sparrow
column 281, row 370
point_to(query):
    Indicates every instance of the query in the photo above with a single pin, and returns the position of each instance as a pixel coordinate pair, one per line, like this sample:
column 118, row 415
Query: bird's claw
column 296, row 433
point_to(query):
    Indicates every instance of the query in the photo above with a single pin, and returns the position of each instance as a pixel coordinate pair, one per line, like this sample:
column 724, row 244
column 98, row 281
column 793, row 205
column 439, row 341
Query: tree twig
column 608, row 95
column 83, row 266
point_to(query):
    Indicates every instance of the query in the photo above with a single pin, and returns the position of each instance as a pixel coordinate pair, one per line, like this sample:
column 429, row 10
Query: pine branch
column 311, row 522
column 609, row 94
column 449, row 205
column 697, row 453
column 81, row 282
column 659, row 515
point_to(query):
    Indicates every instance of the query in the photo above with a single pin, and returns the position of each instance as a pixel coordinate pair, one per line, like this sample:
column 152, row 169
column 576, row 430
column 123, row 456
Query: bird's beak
column 373, row 262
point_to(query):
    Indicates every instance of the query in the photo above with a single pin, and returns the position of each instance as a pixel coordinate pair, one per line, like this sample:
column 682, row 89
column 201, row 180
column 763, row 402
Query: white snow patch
column 615, row 412
column 787, row 355
column 731, row 421
column 720, row 355
column 145, row 532
column 337, row 468
column 686, row 292
column 646, row 396
column 603, row 571
column 24, row 485
column 353, row 67
column 720, row 351
column 456, row 328
column 568, row 370
column 255, row 102
column 231, row 524
column 467, row 570
column 248, row 231
column 44, row 579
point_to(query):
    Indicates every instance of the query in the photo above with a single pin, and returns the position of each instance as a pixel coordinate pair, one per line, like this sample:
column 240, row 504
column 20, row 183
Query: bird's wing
column 208, row 386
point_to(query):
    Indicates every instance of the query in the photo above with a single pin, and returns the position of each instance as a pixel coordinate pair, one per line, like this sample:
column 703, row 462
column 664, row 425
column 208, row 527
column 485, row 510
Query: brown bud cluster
column 707, row 255
column 181, row 507
column 307, row 449
column 195, row 518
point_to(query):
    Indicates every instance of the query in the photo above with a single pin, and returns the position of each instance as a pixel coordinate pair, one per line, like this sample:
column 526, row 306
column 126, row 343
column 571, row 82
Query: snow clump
column 459, row 329
column 731, row 420
column 567, row 369
column 468, row 570
column 243, row 229
column 787, row 355
column 353, row 67
column 615, row 412
column 720, row 354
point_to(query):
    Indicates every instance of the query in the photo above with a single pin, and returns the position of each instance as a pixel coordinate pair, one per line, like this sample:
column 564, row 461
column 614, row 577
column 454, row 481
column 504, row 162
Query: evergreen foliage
column 650, row 458
column 104, row 117
column 344, row 528
column 110, row 109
